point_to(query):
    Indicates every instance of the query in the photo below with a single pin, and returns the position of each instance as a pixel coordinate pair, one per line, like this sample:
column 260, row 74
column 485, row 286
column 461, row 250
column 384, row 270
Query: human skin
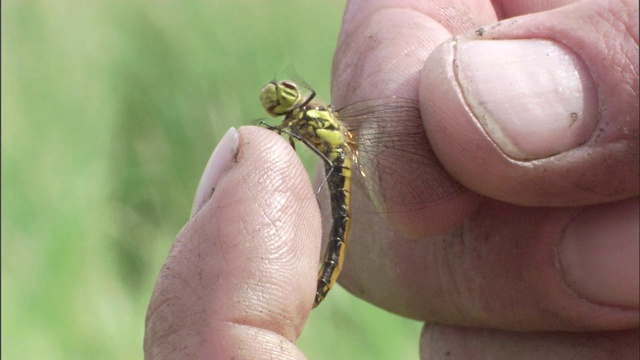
column 538, row 259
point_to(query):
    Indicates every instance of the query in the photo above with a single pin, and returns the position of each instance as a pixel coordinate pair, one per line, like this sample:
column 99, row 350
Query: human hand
column 540, row 258
column 239, row 282
column 236, row 267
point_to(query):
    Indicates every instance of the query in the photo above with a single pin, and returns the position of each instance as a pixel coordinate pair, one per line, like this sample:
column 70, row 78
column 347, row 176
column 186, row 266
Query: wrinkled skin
column 538, row 259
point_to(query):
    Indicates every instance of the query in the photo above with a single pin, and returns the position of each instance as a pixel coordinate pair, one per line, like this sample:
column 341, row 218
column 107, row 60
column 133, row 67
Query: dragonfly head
column 279, row 97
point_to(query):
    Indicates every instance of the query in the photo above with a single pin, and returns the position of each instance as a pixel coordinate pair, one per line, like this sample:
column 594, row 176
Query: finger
column 443, row 342
column 382, row 47
column 395, row 36
column 533, row 111
column 507, row 267
column 240, row 279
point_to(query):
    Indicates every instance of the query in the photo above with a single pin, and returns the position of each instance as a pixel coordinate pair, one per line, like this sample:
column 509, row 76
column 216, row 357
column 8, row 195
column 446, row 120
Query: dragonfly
column 378, row 140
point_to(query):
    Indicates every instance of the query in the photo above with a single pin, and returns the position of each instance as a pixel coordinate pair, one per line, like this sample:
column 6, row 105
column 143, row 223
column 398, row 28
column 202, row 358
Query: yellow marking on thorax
column 332, row 137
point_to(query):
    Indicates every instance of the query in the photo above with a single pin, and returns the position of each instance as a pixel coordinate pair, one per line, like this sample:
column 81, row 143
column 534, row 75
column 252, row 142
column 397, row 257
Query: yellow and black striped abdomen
column 339, row 183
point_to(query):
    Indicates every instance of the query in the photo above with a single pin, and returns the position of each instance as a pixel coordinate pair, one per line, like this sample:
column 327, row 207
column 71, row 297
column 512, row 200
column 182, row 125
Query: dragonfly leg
column 269, row 127
column 324, row 158
column 326, row 177
column 293, row 135
column 308, row 99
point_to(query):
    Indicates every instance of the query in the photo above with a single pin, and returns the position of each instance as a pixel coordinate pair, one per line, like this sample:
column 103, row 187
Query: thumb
column 540, row 109
column 239, row 281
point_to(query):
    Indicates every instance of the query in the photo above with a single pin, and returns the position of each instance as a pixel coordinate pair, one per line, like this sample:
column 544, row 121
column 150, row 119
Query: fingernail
column 599, row 254
column 218, row 164
column 534, row 98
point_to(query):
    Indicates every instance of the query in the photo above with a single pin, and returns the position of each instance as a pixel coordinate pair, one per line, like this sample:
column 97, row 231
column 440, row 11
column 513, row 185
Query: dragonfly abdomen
column 339, row 184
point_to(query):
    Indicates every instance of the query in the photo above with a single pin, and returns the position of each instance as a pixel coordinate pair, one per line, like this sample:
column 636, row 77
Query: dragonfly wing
column 394, row 158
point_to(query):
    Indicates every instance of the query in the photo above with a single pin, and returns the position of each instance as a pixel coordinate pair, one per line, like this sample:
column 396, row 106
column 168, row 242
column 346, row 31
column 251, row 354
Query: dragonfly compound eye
column 278, row 98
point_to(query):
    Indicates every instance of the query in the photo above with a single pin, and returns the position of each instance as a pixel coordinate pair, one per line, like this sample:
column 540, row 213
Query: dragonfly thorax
column 319, row 125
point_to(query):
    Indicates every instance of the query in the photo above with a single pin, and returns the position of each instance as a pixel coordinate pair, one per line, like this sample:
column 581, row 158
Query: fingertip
column 259, row 209
column 533, row 98
column 218, row 164
column 599, row 254
column 574, row 164
column 244, row 258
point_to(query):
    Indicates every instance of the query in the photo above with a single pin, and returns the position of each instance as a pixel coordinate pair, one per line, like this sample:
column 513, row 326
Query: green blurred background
column 110, row 111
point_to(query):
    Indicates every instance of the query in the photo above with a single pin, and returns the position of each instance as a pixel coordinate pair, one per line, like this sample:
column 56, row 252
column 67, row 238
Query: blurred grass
column 109, row 113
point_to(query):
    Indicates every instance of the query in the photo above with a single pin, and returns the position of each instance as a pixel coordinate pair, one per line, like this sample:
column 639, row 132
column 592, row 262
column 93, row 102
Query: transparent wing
column 393, row 156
